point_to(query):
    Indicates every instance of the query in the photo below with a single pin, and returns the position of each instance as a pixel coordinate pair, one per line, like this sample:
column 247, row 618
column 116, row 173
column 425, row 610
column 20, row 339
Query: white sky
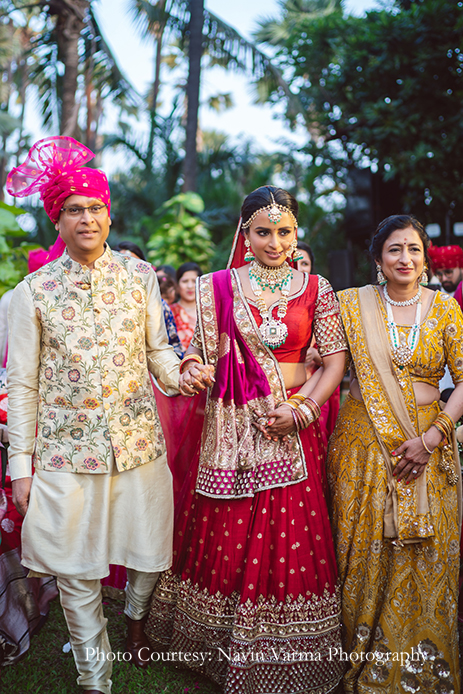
column 259, row 124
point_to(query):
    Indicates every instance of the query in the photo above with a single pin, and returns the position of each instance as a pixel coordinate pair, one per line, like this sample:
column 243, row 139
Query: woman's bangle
column 424, row 444
column 317, row 406
column 297, row 397
column 190, row 357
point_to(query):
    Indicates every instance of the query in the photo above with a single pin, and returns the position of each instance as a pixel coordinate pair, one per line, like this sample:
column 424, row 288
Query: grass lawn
column 47, row 670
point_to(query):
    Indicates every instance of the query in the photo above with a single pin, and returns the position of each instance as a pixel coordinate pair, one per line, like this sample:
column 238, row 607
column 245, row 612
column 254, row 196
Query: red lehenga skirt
column 252, row 599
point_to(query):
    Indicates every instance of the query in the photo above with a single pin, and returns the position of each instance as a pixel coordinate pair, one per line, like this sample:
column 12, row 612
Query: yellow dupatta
column 389, row 399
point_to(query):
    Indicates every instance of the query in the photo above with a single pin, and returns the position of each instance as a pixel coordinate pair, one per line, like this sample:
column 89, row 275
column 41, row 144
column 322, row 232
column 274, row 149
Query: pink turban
column 445, row 257
column 54, row 168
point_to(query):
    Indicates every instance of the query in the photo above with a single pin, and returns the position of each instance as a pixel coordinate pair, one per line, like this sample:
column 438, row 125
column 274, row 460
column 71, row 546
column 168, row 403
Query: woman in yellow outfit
column 394, row 479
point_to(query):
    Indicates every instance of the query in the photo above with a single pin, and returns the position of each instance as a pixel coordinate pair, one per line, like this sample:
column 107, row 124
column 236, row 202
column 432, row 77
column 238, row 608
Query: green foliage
column 13, row 257
column 177, row 234
column 385, row 90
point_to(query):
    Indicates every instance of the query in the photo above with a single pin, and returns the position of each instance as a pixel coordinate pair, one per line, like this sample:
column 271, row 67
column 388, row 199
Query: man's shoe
column 137, row 643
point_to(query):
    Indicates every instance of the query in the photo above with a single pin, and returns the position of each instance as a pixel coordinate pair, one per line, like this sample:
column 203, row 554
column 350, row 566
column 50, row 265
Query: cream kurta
column 86, row 375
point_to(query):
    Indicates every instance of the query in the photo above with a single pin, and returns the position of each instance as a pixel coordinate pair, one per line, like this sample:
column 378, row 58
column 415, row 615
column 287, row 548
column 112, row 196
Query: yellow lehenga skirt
column 399, row 603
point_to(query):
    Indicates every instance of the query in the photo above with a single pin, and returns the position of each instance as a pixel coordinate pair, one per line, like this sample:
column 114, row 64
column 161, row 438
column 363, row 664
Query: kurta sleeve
column 162, row 360
column 328, row 328
column 24, row 339
column 453, row 341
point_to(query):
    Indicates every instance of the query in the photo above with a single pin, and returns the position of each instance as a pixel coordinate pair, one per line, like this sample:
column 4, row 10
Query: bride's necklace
column 273, row 331
column 271, row 277
column 402, row 350
column 407, row 302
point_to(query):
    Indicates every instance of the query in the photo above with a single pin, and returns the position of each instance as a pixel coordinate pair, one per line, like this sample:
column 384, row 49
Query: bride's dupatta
column 389, row 399
column 235, row 460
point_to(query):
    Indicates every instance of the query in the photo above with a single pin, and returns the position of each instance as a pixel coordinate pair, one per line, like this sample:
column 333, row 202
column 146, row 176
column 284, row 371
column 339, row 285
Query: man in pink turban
column 84, row 330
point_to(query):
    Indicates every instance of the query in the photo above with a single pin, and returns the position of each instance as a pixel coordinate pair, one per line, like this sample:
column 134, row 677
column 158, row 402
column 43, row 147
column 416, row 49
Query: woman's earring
column 249, row 255
column 424, row 281
column 380, row 276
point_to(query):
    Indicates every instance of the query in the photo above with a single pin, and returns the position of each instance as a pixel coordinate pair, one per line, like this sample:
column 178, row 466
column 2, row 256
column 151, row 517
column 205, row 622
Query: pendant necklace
column 273, row 331
column 402, row 350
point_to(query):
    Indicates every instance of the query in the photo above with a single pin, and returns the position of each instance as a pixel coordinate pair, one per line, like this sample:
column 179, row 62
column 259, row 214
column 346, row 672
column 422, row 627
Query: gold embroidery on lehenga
column 266, row 633
column 393, row 597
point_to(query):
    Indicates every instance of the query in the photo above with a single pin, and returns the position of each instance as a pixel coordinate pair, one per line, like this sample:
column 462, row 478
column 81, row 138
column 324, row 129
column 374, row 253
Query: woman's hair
column 261, row 198
column 393, row 223
column 129, row 246
column 167, row 270
column 186, row 267
column 305, row 247
column 165, row 283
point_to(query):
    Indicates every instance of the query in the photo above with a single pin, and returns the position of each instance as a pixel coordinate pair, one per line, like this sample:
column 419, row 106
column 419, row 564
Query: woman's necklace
column 407, row 302
column 273, row 331
column 271, row 277
column 402, row 351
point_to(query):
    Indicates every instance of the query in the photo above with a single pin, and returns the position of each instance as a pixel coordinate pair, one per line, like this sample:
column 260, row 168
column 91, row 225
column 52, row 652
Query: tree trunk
column 156, row 87
column 192, row 92
column 69, row 24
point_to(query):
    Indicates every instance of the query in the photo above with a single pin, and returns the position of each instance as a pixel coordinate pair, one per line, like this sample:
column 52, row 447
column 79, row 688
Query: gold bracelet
column 298, row 398
column 289, row 403
column 190, row 357
column 424, row 444
column 441, row 429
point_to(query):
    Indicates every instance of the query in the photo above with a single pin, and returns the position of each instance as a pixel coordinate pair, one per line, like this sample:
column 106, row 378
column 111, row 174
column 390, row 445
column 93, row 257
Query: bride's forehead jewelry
column 275, row 212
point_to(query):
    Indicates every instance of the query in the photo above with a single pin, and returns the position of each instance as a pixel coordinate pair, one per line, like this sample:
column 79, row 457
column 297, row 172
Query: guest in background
column 307, row 262
column 185, row 309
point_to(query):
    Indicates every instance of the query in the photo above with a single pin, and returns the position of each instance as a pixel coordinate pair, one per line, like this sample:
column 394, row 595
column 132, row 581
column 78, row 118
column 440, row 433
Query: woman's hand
column 312, row 358
column 412, row 457
column 196, row 378
column 279, row 424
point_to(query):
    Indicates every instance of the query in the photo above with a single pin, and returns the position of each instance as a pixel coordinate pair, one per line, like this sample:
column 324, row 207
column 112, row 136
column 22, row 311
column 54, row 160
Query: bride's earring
column 293, row 253
column 380, row 275
column 249, row 255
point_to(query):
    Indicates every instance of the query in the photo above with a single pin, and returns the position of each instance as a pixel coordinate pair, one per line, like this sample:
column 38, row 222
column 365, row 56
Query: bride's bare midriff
column 424, row 393
column 294, row 375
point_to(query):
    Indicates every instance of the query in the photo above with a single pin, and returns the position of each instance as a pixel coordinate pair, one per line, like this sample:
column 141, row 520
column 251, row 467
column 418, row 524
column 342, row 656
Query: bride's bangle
column 190, row 357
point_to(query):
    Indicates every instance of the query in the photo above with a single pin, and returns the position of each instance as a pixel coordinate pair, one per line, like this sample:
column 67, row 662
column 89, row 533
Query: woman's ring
column 415, row 472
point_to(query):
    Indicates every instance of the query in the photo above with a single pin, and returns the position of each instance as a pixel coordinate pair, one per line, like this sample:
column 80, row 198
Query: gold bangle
column 424, row 444
column 190, row 357
column 289, row 403
column 298, row 398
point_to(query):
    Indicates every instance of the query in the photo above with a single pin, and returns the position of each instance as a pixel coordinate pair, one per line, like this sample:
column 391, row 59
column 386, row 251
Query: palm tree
column 223, row 45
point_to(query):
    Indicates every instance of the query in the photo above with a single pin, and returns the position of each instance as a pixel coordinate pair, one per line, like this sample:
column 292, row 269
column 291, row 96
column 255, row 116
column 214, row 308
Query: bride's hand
column 279, row 423
column 197, row 377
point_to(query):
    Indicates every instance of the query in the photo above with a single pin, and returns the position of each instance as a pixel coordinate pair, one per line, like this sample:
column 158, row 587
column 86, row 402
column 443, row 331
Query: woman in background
column 313, row 361
column 185, row 309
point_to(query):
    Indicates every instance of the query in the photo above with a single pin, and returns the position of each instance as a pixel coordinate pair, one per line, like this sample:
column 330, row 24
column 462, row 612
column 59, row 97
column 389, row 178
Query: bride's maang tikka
column 274, row 213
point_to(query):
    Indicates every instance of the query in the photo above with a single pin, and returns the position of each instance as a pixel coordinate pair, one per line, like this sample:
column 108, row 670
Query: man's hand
column 21, row 492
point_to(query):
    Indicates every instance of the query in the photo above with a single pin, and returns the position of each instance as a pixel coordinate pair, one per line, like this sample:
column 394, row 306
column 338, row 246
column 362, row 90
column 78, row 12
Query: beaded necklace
column 273, row 331
column 271, row 277
column 407, row 302
column 402, row 351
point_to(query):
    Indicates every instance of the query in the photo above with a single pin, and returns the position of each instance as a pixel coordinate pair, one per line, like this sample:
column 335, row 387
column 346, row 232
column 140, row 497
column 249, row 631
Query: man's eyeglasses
column 74, row 211
column 445, row 273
